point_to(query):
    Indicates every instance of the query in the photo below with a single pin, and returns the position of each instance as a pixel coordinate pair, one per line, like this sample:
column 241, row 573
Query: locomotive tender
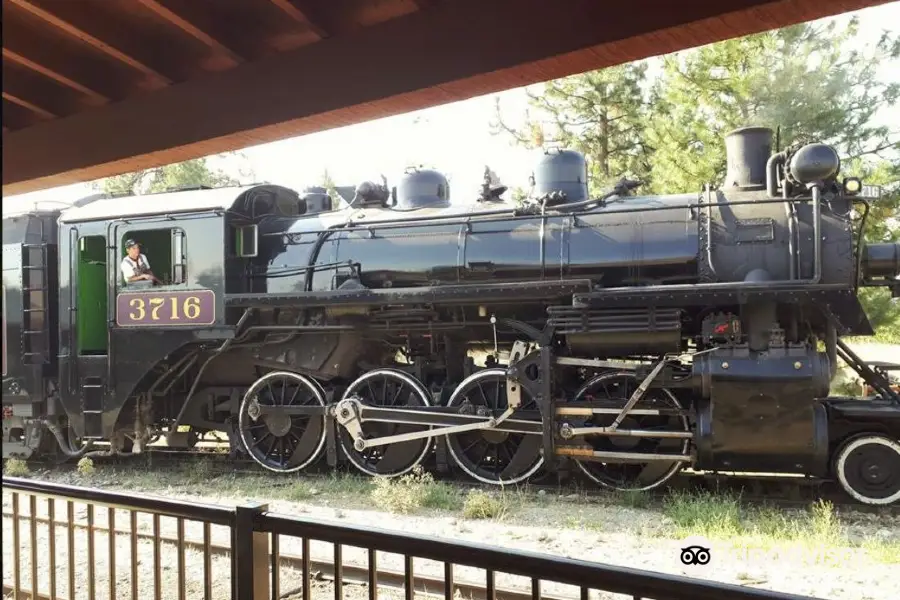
column 644, row 334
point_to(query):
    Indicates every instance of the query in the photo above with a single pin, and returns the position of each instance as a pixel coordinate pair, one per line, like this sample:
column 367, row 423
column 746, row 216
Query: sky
column 454, row 139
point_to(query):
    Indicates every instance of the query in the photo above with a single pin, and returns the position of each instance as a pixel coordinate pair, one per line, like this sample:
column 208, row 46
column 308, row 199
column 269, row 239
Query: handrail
column 246, row 522
column 217, row 515
column 610, row 578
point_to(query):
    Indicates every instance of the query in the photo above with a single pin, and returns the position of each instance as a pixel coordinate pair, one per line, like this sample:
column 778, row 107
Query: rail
column 248, row 556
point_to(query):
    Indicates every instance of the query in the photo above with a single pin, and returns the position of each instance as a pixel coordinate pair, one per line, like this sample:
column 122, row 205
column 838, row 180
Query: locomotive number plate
column 165, row 309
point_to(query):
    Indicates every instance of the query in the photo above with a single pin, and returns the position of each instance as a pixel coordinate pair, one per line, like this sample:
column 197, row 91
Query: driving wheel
column 494, row 456
column 658, row 409
column 276, row 439
column 387, row 388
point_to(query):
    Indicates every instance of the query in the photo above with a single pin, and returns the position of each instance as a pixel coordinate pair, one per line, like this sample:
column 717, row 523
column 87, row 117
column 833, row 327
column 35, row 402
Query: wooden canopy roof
column 93, row 88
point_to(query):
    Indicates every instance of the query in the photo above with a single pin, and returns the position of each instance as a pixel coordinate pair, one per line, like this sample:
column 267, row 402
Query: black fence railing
column 160, row 548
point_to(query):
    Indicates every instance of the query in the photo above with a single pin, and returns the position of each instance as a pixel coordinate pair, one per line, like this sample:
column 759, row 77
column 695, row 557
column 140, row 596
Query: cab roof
column 155, row 204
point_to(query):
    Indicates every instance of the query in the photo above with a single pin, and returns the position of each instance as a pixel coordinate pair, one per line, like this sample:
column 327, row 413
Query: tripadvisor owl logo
column 694, row 551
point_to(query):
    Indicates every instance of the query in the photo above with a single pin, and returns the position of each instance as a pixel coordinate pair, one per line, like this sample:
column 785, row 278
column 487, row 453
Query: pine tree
column 600, row 114
column 803, row 80
column 190, row 173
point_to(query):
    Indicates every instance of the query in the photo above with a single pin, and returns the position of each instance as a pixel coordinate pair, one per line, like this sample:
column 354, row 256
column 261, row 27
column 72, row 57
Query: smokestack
column 747, row 150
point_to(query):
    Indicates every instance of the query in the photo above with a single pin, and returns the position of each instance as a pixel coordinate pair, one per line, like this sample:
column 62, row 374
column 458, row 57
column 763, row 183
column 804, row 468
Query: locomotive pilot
column 135, row 266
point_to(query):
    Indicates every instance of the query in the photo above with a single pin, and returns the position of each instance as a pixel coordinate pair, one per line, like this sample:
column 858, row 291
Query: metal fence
column 59, row 539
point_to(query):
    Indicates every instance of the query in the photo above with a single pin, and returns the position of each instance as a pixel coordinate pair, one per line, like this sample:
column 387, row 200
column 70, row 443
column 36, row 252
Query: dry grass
column 883, row 551
column 817, row 529
column 86, row 467
column 414, row 491
column 483, row 505
column 16, row 467
column 722, row 516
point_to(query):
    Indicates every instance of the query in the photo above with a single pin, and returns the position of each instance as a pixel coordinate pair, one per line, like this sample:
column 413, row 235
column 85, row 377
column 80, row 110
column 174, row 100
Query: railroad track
column 776, row 490
column 318, row 569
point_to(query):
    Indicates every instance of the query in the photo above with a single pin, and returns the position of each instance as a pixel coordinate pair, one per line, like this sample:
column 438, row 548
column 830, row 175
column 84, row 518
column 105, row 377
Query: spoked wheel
column 278, row 441
column 489, row 455
column 614, row 390
column 868, row 468
column 388, row 388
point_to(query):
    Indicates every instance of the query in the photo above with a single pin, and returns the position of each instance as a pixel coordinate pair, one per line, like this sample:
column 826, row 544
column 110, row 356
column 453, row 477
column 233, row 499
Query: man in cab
column 135, row 266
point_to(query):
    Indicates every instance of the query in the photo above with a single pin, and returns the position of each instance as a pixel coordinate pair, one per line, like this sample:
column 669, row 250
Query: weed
column 16, row 467
column 86, row 467
column 883, row 551
column 345, row 485
column 415, row 490
column 704, row 514
column 633, row 499
column 441, row 496
column 482, row 505
column 824, row 524
column 299, row 491
column 723, row 517
column 200, row 471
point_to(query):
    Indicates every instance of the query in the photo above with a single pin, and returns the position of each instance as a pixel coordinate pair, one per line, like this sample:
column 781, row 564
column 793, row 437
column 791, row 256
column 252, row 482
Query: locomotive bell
column 815, row 162
column 561, row 171
column 747, row 150
column 422, row 189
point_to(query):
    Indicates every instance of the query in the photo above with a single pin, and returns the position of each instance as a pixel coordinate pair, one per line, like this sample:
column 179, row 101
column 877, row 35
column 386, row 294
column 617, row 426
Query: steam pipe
column 709, row 233
column 217, row 352
column 64, row 444
column 771, row 173
column 831, row 346
column 860, row 238
column 463, row 218
column 584, row 203
column 792, row 259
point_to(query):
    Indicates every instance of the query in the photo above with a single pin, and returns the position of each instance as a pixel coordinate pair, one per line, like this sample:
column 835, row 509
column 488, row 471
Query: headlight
column 852, row 186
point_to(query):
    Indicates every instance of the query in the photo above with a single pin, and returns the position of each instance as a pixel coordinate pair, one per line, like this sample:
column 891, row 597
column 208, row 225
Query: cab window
column 166, row 251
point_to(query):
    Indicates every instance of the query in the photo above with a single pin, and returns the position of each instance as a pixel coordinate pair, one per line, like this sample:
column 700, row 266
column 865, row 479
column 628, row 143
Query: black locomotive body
column 628, row 335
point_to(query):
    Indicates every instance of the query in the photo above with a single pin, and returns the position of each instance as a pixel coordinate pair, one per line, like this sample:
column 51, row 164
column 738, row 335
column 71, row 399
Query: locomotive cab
column 115, row 334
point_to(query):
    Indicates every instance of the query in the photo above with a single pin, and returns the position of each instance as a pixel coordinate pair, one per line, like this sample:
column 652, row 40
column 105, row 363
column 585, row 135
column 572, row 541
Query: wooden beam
column 41, row 112
column 316, row 16
column 158, row 78
column 299, row 16
column 94, row 97
column 408, row 63
column 189, row 28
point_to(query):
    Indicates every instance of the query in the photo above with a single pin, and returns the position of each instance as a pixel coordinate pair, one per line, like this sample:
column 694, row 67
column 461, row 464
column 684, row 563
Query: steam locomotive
column 623, row 335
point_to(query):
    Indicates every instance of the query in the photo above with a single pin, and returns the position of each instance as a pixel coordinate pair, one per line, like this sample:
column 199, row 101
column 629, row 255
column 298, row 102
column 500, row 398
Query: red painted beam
column 454, row 50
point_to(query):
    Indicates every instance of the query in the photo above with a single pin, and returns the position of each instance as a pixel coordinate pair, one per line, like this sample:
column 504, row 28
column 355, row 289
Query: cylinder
column 881, row 260
column 747, row 150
